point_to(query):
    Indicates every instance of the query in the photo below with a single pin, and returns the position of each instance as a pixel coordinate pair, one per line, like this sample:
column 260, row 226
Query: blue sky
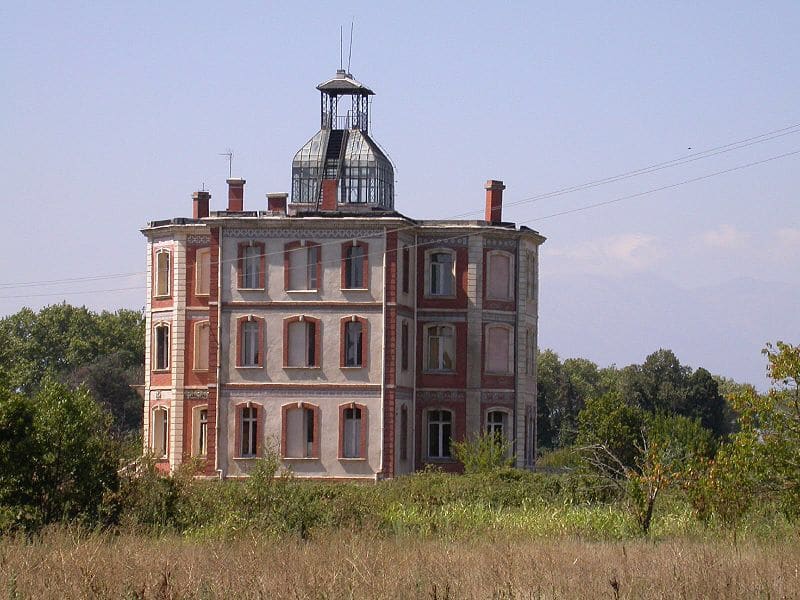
column 113, row 113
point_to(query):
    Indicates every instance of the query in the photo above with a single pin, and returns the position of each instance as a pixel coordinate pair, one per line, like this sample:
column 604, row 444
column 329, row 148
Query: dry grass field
column 65, row 565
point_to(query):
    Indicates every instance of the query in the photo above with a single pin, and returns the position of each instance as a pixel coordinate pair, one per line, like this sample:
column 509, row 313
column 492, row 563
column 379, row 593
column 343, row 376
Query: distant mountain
column 621, row 320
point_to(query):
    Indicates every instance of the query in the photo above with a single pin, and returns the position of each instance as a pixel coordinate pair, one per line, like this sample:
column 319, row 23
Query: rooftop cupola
column 341, row 167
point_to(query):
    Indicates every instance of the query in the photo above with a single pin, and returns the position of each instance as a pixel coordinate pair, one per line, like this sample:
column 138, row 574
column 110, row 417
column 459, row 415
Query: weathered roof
column 344, row 83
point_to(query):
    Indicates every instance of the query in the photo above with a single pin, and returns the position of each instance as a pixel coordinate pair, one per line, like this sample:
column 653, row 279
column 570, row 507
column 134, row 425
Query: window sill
column 353, row 367
column 200, row 370
column 253, row 457
column 160, row 370
column 352, row 458
column 249, row 367
column 202, row 294
column 261, row 289
column 306, row 458
column 348, row 289
column 438, row 372
column 436, row 459
column 440, row 297
column 496, row 299
column 162, row 296
column 302, row 367
column 498, row 373
column 314, row 291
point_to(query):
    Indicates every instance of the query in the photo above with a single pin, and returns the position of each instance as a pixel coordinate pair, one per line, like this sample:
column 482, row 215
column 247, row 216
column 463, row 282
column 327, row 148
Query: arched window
column 499, row 351
column 303, row 266
column 163, row 269
column 355, row 271
column 441, row 273
column 250, row 341
column 202, row 271
column 200, row 431
column 300, row 437
column 201, row 342
column 251, row 265
column 352, row 430
column 499, row 281
column 161, row 347
column 302, row 342
column 160, row 429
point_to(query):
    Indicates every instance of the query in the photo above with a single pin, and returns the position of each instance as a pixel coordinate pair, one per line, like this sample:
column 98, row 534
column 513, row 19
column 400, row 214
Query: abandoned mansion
column 354, row 341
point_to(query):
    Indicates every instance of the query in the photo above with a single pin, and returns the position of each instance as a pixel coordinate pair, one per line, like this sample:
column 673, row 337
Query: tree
column 74, row 344
column 56, row 455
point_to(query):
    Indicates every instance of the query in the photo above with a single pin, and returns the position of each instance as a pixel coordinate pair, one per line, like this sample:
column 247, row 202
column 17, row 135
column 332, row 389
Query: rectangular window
column 249, row 431
column 531, row 275
column 201, row 331
column 353, row 351
column 250, row 346
column 442, row 275
column 403, row 432
column 162, row 273
column 300, row 433
column 352, row 433
column 496, row 422
column 162, row 347
column 406, row 269
column 304, row 267
column 302, row 344
column 251, row 264
column 439, row 433
column 354, row 267
column 202, row 271
column 441, row 348
column 404, row 346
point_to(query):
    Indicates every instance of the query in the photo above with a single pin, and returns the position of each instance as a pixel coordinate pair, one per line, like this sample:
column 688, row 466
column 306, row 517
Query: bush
column 483, row 453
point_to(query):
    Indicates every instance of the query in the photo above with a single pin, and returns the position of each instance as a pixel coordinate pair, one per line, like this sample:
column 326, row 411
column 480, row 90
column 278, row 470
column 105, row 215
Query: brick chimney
column 494, row 201
column 236, row 194
column 277, row 202
column 200, row 204
column 330, row 187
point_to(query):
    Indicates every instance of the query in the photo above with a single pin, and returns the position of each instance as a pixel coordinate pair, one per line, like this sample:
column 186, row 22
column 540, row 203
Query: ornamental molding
column 196, row 394
column 497, row 397
column 304, row 234
column 277, row 395
column 198, row 240
column 441, row 396
column 443, row 241
column 495, row 243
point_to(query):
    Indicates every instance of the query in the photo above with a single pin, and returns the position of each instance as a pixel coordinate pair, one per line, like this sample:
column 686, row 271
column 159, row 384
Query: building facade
column 352, row 340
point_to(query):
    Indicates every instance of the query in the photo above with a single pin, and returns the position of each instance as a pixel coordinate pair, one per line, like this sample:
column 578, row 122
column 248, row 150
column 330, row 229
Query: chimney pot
column 494, row 201
column 277, row 202
column 235, row 194
column 200, row 202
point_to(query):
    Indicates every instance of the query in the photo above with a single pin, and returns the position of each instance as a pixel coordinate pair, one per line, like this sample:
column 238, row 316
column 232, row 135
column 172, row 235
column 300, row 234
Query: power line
column 470, row 234
column 695, row 156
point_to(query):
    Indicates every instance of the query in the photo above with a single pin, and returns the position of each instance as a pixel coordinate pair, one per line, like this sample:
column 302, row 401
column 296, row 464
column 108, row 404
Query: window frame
column 403, row 432
column 241, row 332
column 344, row 324
column 506, row 424
column 254, row 421
column 509, row 292
column 509, row 352
column 308, row 246
column 440, row 456
column 202, row 271
column 427, row 348
column 160, row 278
column 199, row 349
column 315, row 430
column 429, row 278
column 348, row 269
column 156, row 367
column 243, row 260
column 317, row 363
column 405, row 345
column 362, row 431
column 405, row 274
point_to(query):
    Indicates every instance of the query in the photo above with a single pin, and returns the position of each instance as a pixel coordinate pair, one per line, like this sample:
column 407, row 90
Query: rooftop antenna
column 350, row 52
column 229, row 154
column 341, row 46
column 203, row 189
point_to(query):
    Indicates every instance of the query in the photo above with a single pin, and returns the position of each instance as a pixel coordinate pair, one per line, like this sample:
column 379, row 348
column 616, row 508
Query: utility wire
column 711, row 152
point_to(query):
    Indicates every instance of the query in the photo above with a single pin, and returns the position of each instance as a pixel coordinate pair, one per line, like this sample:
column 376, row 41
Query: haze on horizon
column 113, row 115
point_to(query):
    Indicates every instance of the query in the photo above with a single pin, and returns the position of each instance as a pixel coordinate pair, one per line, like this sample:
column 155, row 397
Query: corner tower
column 341, row 167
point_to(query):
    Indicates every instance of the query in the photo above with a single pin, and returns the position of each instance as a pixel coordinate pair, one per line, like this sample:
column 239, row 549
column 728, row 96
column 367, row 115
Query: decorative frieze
column 195, row 394
column 308, row 234
column 299, row 394
column 490, row 397
column 198, row 240
column 505, row 244
column 446, row 241
column 441, row 396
